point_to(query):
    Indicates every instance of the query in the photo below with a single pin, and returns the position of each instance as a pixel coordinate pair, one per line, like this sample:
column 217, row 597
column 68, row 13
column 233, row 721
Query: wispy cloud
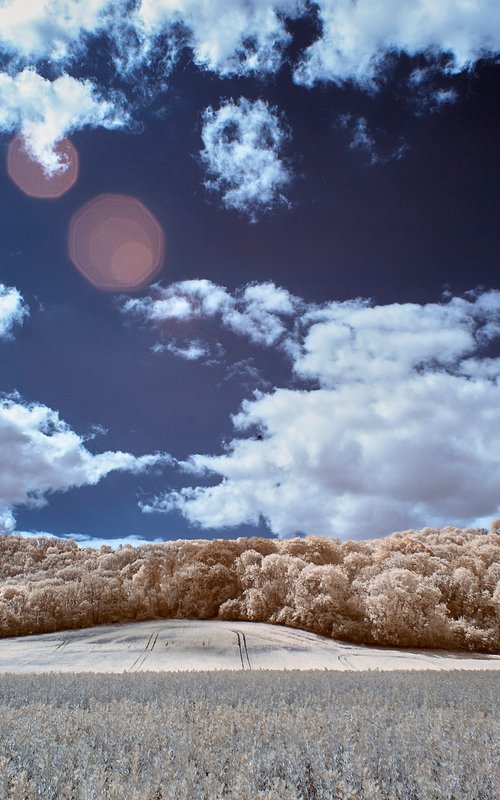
column 247, row 375
column 242, row 155
column 13, row 310
column 399, row 430
column 258, row 311
column 362, row 138
column 45, row 455
column 239, row 38
column 193, row 350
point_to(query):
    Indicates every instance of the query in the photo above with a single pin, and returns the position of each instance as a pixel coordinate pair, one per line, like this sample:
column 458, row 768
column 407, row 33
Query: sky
column 249, row 264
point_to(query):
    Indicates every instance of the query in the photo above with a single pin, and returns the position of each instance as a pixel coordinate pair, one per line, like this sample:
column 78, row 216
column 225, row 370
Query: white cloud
column 362, row 138
column 45, row 456
column 395, row 435
column 97, row 541
column 181, row 301
column 250, row 36
column 44, row 111
column 443, row 97
column 485, row 368
column 13, row 310
column 357, row 37
column 240, row 37
column 242, row 146
column 90, row 541
column 247, row 375
column 7, row 521
column 191, row 351
column 260, row 311
column 51, row 29
column 242, row 141
column 358, row 343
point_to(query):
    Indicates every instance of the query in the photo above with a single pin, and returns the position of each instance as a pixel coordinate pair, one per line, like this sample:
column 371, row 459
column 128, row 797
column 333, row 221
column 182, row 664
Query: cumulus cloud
column 44, row 111
column 45, row 456
column 354, row 40
column 354, row 342
column 237, row 38
column 252, row 37
column 260, row 311
column 242, row 140
column 181, row 301
column 357, row 37
column 400, row 429
column 52, row 29
column 242, row 155
column 13, row 310
column 485, row 368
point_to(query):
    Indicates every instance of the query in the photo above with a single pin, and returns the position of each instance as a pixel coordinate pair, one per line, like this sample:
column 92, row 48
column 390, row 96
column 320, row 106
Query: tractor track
column 139, row 661
column 346, row 662
column 243, row 650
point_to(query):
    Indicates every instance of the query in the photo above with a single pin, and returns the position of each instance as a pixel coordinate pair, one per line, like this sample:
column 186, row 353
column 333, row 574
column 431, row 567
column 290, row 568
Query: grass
column 250, row 736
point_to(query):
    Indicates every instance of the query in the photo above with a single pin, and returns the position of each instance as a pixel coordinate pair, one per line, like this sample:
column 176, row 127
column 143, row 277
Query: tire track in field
column 243, row 650
column 346, row 662
column 141, row 658
column 315, row 639
column 246, row 650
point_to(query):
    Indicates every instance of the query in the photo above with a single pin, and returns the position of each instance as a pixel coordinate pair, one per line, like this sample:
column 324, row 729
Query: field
column 243, row 735
column 170, row 645
column 153, row 673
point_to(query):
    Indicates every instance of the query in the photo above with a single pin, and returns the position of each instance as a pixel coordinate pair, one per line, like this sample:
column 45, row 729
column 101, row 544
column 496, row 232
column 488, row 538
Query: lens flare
column 116, row 243
column 30, row 176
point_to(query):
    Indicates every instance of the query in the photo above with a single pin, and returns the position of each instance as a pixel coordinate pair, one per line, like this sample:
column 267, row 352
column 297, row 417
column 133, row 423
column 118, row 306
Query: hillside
column 430, row 589
column 179, row 645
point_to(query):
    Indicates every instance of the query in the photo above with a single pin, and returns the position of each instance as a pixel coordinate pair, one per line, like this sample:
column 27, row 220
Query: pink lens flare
column 116, row 243
column 30, row 176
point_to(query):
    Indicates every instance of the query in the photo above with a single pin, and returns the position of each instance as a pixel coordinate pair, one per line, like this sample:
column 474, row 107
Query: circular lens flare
column 30, row 176
column 116, row 243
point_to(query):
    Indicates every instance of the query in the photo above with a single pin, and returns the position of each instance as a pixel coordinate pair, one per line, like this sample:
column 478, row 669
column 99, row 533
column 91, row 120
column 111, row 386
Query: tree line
column 435, row 588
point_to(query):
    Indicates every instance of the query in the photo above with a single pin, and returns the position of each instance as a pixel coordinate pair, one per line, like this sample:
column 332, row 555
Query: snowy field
column 171, row 645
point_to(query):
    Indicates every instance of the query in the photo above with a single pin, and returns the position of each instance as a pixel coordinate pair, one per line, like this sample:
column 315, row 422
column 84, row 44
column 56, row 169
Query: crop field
column 244, row 735
column 176, row 644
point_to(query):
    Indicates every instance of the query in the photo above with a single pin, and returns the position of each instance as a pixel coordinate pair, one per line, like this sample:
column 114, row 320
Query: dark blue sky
column 391, row 195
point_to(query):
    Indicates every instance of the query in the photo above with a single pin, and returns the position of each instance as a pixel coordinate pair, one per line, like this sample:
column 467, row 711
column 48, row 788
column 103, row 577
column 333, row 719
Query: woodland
column 434, row 588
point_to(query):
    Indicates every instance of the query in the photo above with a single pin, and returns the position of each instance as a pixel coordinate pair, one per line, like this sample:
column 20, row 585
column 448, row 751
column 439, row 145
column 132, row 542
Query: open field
column 169, row 645
column 251, row 736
